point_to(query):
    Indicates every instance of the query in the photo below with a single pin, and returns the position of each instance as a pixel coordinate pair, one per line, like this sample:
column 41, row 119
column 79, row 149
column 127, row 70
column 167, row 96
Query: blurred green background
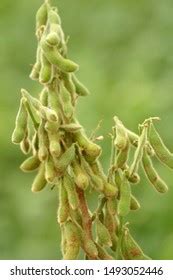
column 125, row 52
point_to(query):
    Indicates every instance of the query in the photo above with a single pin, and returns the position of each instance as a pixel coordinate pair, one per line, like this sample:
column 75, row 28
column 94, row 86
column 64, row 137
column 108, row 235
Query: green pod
column 161, row 151
column 102, row 254
column 25, row 145
column 66, row 102
column 50, row 171
column 98, row 170
column 112, row 205
column 57, row 59
column 76, row 216
column 134, row 178
column 110, row 190
column 41, row 16
column 89, row 247
column 65, row 160
column 122, row 157
column 81, row 178
column 53, row 98
column 34, row 144
column 139, row 152
column 73, row 241
column 134, row 203
column 48, row 114
column 35, row 72
column 20, row 124
column 63, row 240
column 42, row 142
column 91, row 150
column 109, row 220
column 63, row 209
column 125, row 198
column 152, row 174
column 103, row 235
column 69, row 185
column 114, row 239
column 44, row 97
column 39, row 182
column 30, row 164
column 53, row 17
column 52, row 39
column 130, row 249
column 54, row 145
column 71, row 127
column 68, row 83
column 117, row 178
column 33, row 101
column 121, row 140
column 81, row 90
column 46, row 71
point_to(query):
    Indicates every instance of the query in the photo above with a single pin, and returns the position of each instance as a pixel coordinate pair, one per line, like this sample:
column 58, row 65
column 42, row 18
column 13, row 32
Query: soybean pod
column 162, row 152
column 152, row 174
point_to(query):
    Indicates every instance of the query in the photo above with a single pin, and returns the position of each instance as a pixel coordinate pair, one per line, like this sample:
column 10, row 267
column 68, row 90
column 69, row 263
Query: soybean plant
column 68, row 161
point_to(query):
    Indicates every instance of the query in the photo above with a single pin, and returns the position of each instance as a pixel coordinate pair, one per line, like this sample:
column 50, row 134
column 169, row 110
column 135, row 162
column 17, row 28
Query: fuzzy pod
column 20, row 124
column 71, row 127
column 53, row 17
column 130, row 249
column 89, row 247
column 134, row 178
column 63, row 240
column 34, row 144
column 39, row 182
column 41, row 16
column 52, row 39
column 54, row 144
column 109, row 220
column 152, row 174
column 81, row 178
column 134, row 203
column 114, row 239
column 73, row 241
column 91, row 150
column 46, row 71
column 35, row 72
column 122, row 157
column 55, row 58
column 66, row 102
column 63, row 209
column 110, row 190
column 81, row 90
column 53, row 99
column 68, row 83
column 30, row 164
column 69, row 185
column 44, row 97
column 42, row 142
column 103, row 235
column 121, row 140
column 76, row 216
column 50, row 171
column 117, row 178
column 25, row 145
column 125, row 198
column 112, row 204
column 102, row 254
column 139, row 151
column 161, row 151
column 65, row 160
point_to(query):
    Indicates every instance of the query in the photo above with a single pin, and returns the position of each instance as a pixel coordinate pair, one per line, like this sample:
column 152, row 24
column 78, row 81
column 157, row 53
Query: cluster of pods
column 65, row 158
